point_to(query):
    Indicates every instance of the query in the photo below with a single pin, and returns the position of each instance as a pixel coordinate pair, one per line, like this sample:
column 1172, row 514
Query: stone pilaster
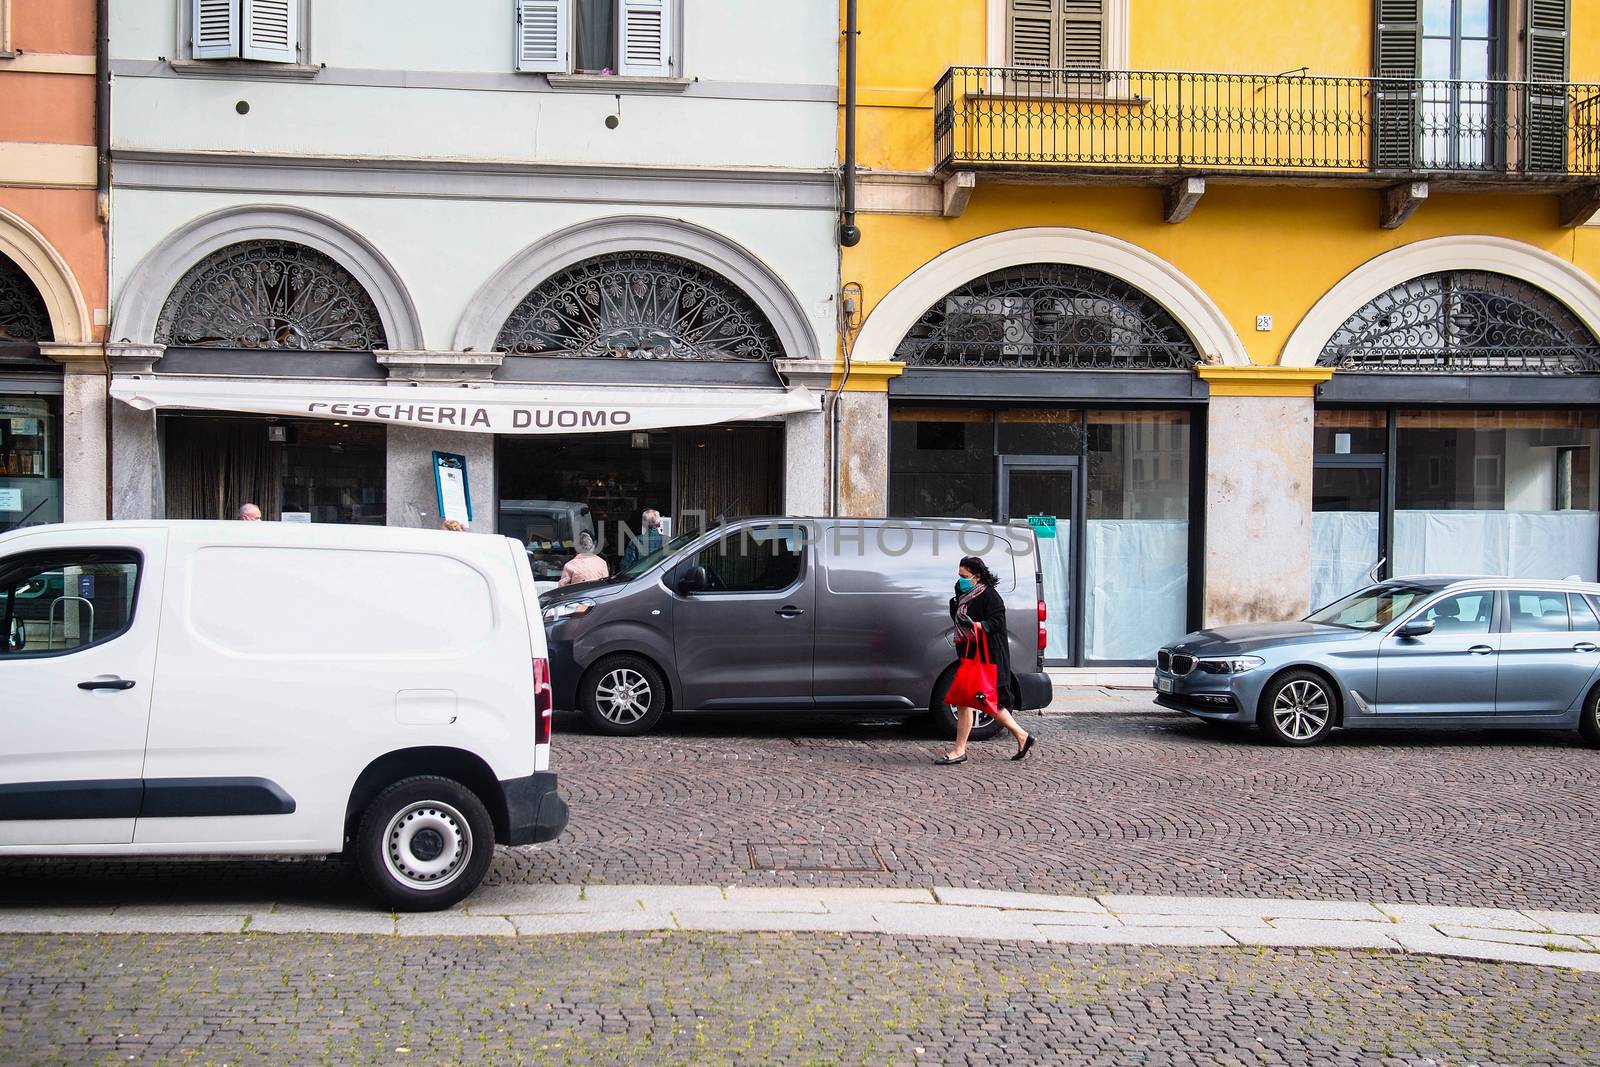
column 138, row 487
column 83, row 428
column 805, row 440
column 413, row 497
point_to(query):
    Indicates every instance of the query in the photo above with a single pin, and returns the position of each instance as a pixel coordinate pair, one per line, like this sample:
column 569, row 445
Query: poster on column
column 450, row 479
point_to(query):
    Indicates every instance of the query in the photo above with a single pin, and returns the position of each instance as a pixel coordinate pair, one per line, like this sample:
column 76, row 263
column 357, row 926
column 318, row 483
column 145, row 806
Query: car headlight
column 566, row 610
column 1230, row 664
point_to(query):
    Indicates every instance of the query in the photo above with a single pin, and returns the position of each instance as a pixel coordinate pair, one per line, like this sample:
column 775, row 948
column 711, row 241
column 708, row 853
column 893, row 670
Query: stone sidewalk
column 1541, row 938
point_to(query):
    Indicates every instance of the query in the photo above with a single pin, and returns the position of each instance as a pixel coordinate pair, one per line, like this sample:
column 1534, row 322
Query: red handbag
column 975, row 684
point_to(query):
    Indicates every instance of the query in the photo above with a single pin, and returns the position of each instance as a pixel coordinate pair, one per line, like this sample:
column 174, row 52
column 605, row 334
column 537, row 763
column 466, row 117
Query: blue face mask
column 964, row 584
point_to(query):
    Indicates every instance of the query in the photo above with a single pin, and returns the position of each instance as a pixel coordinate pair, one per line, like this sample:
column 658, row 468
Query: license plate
column 1165, row 685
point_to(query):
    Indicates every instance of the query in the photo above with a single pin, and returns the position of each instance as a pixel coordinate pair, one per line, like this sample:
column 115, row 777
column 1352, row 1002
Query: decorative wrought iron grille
column 1464, row 322
column 1048, row 315
column 23, row 316
column 271, row 295
column 639, row 305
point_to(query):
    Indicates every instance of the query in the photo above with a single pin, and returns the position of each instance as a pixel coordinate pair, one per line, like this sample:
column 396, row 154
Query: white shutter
column 543, row 39
column 271, row 31
column 645, row 39
column 215, row 33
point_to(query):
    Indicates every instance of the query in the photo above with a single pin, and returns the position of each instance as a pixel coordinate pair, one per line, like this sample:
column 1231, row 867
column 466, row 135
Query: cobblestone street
column 778, row 998
column 1118, row 798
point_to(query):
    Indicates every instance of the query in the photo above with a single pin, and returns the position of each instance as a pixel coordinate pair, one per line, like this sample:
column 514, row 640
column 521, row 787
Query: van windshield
column 644, row 563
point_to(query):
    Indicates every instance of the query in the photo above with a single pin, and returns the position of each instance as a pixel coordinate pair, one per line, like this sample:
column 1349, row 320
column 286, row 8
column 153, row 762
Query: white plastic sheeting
column 1055, row 559
column 1519, row 544
column 1137, row 572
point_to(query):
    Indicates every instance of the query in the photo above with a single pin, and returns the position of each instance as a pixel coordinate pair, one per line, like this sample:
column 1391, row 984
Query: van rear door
column 77, row 669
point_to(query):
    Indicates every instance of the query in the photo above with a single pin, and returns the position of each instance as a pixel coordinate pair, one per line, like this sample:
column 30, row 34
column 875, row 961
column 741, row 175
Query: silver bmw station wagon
column 1410, row 652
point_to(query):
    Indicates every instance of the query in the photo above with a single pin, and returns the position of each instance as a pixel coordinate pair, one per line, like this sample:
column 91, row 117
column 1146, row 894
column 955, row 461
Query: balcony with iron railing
column 1161, row 127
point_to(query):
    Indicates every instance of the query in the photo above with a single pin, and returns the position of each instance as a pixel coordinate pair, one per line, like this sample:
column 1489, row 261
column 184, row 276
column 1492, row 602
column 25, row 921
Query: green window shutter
column 1548, row 40
column 1083, row 34
column 1397, row 61
column 215, row 33
column 1031, row 28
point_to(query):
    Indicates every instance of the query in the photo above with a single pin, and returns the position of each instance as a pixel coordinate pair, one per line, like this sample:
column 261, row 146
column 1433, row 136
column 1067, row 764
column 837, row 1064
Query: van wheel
column 984, row 725
column 1297, row 709
column 424, row 843
column 1589, row 719
column 623, row 696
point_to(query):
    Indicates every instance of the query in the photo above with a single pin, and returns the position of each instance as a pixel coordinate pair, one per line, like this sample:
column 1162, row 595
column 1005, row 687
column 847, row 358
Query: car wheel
column 424, row 843
column 1589, row 719
column 984, row 725
column 1297, row 708
column 623, row 696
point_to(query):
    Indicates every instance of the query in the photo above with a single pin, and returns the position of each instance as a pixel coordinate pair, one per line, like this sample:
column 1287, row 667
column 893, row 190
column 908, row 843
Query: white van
column 261, row 688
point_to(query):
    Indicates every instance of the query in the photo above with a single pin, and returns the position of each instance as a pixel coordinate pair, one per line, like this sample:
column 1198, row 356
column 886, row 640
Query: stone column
column 83, row 428
column 412, row 495
column 1259, row 454
column 138, row 487
column 864, row 438
column 805, row 440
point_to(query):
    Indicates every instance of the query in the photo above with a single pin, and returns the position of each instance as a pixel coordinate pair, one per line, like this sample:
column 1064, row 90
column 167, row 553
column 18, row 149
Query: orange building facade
column 53, row 411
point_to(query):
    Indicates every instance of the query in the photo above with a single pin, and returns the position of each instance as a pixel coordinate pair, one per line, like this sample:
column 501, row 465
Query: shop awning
column 510, row 409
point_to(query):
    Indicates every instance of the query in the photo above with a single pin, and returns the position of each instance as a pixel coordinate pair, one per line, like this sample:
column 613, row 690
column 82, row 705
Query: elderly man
column 648, row 541
column 248, row 513
column 585, row 566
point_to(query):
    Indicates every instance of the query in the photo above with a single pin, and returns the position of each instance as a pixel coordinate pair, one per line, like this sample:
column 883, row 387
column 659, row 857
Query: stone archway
column 50, row 275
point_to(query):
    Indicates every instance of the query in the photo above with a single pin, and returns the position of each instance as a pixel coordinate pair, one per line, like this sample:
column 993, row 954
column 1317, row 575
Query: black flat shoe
column 1027, row 746
column 950, row 761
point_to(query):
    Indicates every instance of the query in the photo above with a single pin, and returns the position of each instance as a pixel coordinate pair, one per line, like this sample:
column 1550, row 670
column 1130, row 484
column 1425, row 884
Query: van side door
column 78, row 627
column 747, row 639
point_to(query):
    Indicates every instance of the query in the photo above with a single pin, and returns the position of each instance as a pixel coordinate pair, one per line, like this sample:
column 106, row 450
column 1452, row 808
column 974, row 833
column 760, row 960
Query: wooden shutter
column 271, row 31
column 1083, row 34
column 1548, row 33
column 1031, row 28
column 543, row 39
column 1397, row 61
column 215, row 33
column 644, row 39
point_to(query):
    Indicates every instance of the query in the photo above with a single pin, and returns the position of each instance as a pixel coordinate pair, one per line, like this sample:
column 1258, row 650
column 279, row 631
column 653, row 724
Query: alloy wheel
column 623, row 696
column 1301, row 710
column 427, row 845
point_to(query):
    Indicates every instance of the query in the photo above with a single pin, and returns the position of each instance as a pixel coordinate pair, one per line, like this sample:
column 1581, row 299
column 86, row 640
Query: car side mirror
column 1415, row 628
column 694, row 580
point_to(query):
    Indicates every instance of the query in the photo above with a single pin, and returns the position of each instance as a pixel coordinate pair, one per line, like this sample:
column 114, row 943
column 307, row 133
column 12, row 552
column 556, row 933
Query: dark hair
column 979, row 569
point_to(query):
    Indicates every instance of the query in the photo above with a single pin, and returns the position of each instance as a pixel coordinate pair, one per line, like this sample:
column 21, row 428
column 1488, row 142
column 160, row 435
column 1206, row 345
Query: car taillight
column 543, row 702
column 1044, row 638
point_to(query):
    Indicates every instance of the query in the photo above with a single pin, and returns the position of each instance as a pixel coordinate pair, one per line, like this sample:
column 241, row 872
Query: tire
column 623, row 696
column 944, row 715
column 424, row 843
column 1298, row 709
column 1589, row 719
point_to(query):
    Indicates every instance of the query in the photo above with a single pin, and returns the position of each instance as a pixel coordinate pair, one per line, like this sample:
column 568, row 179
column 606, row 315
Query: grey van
column 794, row 614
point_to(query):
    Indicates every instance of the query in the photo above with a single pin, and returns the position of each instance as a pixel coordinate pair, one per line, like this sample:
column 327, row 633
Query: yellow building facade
column 1241, row 302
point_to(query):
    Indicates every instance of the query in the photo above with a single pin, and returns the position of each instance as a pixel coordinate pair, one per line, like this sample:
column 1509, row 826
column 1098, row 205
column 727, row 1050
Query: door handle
column 1584, row 646
column 789, row 611
column 1480, row 650
column 107, row 683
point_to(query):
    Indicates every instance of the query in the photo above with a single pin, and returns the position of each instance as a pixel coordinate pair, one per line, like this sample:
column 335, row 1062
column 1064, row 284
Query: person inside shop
column 586, row 566
column 647, row 542
column 248, row 513
column 981, row 640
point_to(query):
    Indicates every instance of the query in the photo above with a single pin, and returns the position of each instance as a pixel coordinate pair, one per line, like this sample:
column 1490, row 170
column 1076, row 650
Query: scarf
column 963, row 620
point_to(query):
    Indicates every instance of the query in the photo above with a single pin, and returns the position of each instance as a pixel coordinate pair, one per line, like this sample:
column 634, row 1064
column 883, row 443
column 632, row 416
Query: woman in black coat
column 978, row 605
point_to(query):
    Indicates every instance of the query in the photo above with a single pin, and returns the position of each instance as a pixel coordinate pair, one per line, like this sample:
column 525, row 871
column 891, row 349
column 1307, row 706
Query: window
column 1583, row 616
column 30, row 460
column 1537, row 612
column 631, row 38
column 1469, row 613
column 58, row 604
column 5, row 27
column 267, row 31
column 757, row 559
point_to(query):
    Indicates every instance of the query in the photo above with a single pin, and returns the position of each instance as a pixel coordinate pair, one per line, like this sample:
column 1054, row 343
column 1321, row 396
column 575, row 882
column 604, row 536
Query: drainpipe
column 849, row 232
column 102, row 187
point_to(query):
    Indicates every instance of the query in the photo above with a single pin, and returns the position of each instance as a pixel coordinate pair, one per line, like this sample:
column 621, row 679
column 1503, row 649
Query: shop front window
column 943, row 462
column 294, row 470
column 1512, row 492
column 30, row 461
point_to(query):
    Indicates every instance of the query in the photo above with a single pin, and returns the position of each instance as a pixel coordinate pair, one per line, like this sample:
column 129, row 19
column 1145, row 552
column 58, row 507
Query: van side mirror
column 694, row 580
column 1415, row 628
